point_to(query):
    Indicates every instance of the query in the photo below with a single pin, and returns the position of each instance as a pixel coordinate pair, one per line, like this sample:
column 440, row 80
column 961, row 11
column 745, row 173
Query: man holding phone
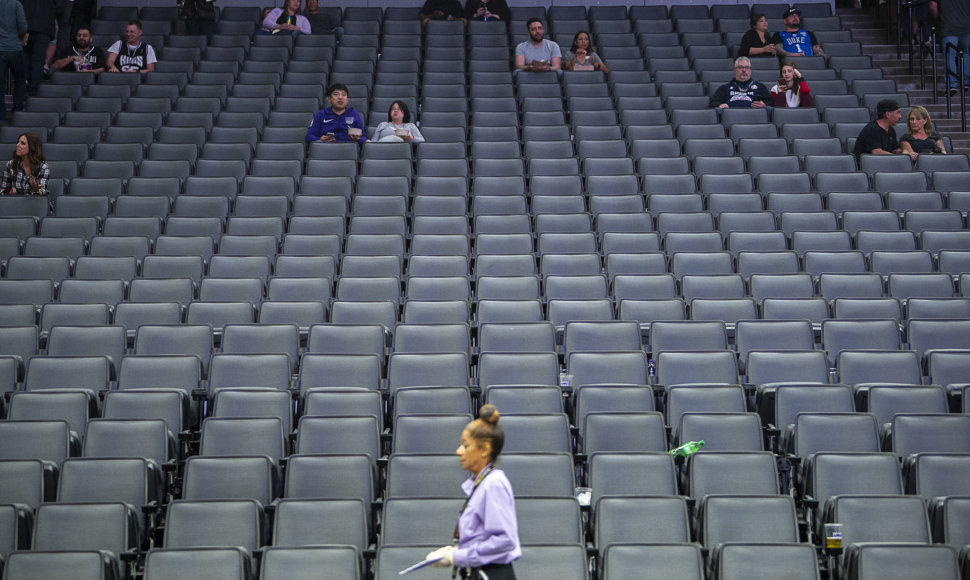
column 339, row 122
column 441, row 10
column 741, row 92
column 538, row 54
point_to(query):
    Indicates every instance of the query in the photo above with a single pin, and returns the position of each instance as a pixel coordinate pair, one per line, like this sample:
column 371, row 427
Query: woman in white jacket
column 398, row 127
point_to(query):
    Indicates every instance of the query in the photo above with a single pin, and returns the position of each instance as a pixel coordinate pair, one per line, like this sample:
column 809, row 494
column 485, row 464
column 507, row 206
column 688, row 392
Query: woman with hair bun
column 487, row 533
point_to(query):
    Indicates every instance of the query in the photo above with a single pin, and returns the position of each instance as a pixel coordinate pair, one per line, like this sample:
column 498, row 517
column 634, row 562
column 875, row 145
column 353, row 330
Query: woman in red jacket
column 791, row 90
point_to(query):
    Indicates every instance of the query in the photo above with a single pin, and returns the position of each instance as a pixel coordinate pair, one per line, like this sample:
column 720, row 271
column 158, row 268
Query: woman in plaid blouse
column 26, row 173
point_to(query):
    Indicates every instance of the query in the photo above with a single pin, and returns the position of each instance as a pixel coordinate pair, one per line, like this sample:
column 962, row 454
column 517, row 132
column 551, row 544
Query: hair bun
column 489, row 414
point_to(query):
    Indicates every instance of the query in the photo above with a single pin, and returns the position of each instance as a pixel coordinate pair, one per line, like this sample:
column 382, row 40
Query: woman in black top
column 920, row 140
column 755, row 42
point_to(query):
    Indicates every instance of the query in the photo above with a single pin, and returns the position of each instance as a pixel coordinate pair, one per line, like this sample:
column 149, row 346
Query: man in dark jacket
column 741, row 92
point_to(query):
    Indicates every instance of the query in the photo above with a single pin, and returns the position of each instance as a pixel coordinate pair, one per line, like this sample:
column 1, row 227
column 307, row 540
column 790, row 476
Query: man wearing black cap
column 793, row 40
column 879, row 136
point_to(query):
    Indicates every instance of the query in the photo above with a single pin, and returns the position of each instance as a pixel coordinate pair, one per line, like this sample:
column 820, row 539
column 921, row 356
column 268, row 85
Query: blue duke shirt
column 800, row 42
column 326, row 121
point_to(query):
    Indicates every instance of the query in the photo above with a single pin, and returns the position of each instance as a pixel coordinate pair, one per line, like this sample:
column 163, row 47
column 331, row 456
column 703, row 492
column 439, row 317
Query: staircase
column 872, row 35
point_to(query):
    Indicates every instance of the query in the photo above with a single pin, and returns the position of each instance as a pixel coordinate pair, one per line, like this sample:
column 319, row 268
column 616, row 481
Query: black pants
column 13, row 61
column 34, row 54
column 493, row 571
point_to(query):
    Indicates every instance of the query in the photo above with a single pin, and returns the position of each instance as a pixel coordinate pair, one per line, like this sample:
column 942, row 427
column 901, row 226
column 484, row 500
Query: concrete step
column 888, row 58
column 885, row 51
column 869, row 36
column 907, row 84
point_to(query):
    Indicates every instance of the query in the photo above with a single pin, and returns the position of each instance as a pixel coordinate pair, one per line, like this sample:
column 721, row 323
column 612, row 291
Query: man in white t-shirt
column 537, row 53
column 134, row 56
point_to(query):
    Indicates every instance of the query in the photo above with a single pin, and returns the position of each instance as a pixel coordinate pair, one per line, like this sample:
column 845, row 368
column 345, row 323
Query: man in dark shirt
column 741, row 92
column 794, row 40
column 487, row 10
column 320, row 21
column 441, row 10
column 199, row 16
column 83, row 56
column 879, row 136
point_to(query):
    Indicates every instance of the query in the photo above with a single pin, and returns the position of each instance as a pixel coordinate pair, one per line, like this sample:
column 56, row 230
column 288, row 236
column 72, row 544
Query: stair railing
column 904, row 7
column 923, row 27
column 915, row 49
column 959, row 73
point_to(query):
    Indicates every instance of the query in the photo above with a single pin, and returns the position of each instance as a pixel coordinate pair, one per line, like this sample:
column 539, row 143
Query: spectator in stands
column 286, row 20
column 791, row 90
column 486, row 10
column 741, row 92
column 71, row 14
column 582, row 56
column 65, row 11
column 41, row 16
column 537, row 54
column 49, row 57
column 441, row 10
column 135, row 56
column 793, row 40
column 398, row 126
column 920, row 139
column 487, row 535
column 13, row 38
column 199, row 16
column 82, row 13
column 757, row 41
column 879, row 136
column 83, row 56
column 955, row 16
column 339, row 122
column 320, row 22
column 26, row 173
column 923, row 16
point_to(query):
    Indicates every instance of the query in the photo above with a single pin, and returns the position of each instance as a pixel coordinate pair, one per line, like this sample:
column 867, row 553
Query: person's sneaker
column 954, row 91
